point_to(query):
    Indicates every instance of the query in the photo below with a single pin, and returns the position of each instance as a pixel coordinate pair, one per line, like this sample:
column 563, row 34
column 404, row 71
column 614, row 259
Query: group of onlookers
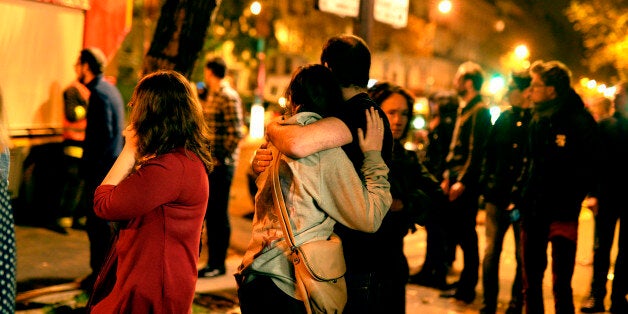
column 342, row 166
column 533, row 169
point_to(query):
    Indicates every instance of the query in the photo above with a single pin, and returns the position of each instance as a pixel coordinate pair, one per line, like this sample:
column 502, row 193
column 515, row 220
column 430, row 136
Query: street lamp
column 256, row 127
column 256, row 8
column 522, row 52
column 445, row 6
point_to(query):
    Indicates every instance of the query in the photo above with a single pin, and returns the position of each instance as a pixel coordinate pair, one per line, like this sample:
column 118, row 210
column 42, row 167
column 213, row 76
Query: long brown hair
column 166, row 114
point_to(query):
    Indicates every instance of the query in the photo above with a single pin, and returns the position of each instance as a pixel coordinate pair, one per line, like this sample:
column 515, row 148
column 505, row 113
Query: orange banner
column 107, row 23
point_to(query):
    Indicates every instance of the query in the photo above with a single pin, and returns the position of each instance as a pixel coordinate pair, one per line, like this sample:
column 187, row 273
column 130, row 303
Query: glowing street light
column 496, row 84
column 256, row 128
column 445, row 6
column 522, row 52
column 256, row 8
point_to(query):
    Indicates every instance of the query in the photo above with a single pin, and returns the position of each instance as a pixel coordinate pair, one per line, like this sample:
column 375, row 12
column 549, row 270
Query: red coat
column 164, row 203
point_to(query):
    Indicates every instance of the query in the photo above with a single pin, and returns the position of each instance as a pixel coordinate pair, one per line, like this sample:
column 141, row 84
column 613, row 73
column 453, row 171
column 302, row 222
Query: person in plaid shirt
column 222, row 109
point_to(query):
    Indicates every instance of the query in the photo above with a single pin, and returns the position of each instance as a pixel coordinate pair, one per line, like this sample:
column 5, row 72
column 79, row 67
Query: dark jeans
column 461, row 227
column 497, row 223
column 393, row 285
column 535, row 237
column 620, row 282
column 363, row 293
column 98, row 230
column 217, row 215
column 262, row 296
column 435, row 264
column 605, row 225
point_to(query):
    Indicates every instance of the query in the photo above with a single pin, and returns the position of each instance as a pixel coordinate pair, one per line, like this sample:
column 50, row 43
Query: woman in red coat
column 157, row 189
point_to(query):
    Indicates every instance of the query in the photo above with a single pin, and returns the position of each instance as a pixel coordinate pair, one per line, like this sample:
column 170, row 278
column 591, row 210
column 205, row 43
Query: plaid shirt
column 223, row 114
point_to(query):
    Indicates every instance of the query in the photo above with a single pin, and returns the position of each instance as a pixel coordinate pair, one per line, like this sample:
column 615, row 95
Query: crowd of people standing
column 532, row 169
column 169, row 171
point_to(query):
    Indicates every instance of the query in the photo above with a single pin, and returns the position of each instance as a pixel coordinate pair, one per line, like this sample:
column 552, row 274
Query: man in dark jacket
column 608, row 204
column 349, row 59
column 502, row 166
column 102, row 145
column 559, row 174
column 462, row 175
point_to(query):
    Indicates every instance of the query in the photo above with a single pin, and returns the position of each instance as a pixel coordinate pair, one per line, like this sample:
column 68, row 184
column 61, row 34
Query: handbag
column 319, row 265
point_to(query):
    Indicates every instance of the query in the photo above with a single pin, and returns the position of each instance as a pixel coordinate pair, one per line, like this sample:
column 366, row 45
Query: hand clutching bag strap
column 319, row 265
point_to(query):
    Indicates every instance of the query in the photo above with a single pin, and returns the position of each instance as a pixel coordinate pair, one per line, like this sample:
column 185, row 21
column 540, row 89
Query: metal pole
column 365, row 20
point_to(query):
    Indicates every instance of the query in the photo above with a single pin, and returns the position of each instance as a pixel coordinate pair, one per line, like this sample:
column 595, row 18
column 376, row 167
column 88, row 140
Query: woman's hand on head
column 374, row 136
column 130, row 139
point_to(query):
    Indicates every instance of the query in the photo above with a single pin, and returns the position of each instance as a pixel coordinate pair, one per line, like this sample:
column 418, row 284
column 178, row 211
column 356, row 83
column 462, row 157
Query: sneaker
column 592, row 305
column 209, row 272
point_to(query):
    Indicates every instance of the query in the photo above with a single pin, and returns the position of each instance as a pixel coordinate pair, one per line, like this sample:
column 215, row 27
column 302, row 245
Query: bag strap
column 287, row 232
column 281, row 204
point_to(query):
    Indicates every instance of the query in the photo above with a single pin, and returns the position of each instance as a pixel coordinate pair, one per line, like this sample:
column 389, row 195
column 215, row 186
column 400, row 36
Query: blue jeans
column 497, row 223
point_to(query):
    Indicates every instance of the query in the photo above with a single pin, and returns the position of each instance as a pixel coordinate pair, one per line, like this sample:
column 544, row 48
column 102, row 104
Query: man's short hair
column 218, row 67
column 95, row 59
column 472, row 71
column 349, row 59
column 553, row 73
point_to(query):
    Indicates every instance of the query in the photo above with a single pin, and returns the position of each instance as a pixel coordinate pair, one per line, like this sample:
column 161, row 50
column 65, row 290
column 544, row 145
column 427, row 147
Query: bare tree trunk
column 179, row 35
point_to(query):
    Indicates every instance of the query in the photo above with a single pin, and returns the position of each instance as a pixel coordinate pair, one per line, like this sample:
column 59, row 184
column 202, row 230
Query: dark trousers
column 605, row 225
column 217, row 215
column 363, row 293
column 497, row 223
column 393, row 285
column 435, row 264
column 535, row 237
column 620, row 282
column 98, row 230
column 262, row 296
column 462, row 228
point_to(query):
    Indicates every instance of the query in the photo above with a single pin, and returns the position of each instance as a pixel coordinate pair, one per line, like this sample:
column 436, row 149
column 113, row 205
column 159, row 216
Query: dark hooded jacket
column 504, row 159
column 560, row 169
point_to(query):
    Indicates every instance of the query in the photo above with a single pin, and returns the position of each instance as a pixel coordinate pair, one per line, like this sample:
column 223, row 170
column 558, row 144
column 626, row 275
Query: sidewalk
column 50, row 265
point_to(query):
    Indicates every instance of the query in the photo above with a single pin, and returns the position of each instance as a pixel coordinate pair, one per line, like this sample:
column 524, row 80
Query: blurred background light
column 495, row 112
column 256, row 129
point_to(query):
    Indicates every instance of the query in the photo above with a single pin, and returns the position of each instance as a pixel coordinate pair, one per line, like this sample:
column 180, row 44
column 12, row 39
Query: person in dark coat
column 502, row 166
column 608, row 204
column 438, row 256
column 461, row 178
column 416, row 195
column 102, row 145
column 557, row 177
